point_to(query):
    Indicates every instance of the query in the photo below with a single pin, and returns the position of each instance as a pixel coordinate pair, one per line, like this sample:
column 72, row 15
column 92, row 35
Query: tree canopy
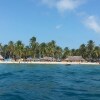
column 89, row 51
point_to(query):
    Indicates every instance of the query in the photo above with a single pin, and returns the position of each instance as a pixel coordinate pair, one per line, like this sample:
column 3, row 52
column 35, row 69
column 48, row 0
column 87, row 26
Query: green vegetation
column 90, row 51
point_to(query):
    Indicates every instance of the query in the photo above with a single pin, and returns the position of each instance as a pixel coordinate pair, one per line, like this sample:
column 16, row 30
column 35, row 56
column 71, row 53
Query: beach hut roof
column 75, row 58
column 30, row 58
column 48, row 58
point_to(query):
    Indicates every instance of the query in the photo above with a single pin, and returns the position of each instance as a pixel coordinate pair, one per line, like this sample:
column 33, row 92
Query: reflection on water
column 49, row 82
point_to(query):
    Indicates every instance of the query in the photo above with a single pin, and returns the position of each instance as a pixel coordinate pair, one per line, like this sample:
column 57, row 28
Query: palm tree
column 58, row 52
column 32, row 41
column 43, row 49
column 0, row 48
column 82, row 50
column 90, row 48
column 19, row 46
column 90, row 45
column 73, row 52
column 36, row 50
column 11, row 49
column 66, row 52
column 26, row 52
column 33, row 46
column 77, row 53
column 5, row 51
column 51, row 48
column 96, row 53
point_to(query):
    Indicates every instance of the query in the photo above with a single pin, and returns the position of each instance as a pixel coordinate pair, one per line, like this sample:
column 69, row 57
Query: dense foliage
column 88, row 51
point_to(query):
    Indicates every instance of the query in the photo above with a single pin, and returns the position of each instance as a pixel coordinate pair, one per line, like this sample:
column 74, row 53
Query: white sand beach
column 70, row 63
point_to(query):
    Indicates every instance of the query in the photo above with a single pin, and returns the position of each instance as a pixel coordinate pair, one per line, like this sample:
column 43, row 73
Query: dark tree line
column 88, row 51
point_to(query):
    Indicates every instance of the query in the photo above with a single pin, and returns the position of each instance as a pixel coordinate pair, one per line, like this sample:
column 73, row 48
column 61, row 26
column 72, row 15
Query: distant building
column 47, row 59
column 74, row 59
column 29, row 59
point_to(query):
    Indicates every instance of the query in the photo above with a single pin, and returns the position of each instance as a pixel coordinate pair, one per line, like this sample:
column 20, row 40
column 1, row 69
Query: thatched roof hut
column 29, row 59
column 36, row 59
column 74, row 59
column 47, row 59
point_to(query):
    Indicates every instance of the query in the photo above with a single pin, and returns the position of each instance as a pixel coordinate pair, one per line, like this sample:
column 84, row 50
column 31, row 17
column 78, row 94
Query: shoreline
column 62, row 63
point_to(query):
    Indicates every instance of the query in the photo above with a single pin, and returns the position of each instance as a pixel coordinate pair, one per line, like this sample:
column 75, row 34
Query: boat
column 67, row 64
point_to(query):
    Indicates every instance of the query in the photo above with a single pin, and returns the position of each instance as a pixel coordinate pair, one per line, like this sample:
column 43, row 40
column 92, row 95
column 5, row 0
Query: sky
column 69, row 22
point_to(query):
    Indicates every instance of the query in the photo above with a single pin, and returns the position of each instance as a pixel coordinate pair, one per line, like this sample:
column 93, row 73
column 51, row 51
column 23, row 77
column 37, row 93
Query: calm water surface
column 49, row 82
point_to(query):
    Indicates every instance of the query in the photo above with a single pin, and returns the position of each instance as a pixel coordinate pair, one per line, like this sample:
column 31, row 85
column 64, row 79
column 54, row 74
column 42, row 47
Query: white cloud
column 58, row 26
column 92, row 23
column 63, row 5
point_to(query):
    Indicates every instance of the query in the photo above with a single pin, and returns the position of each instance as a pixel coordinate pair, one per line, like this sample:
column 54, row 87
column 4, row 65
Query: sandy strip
column 65, row 63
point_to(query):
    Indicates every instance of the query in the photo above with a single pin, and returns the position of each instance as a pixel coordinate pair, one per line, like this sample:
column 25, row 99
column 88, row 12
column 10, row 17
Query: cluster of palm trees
column 18, row 50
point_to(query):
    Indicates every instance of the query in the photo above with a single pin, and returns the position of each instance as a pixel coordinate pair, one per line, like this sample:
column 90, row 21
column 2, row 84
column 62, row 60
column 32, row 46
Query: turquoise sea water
column 49, row 82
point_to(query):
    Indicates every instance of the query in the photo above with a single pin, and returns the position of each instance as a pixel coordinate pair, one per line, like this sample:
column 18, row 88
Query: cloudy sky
column 68, row 22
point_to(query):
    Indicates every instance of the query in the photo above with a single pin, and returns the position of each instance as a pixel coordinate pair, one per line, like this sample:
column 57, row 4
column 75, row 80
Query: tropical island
column 49, row 52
